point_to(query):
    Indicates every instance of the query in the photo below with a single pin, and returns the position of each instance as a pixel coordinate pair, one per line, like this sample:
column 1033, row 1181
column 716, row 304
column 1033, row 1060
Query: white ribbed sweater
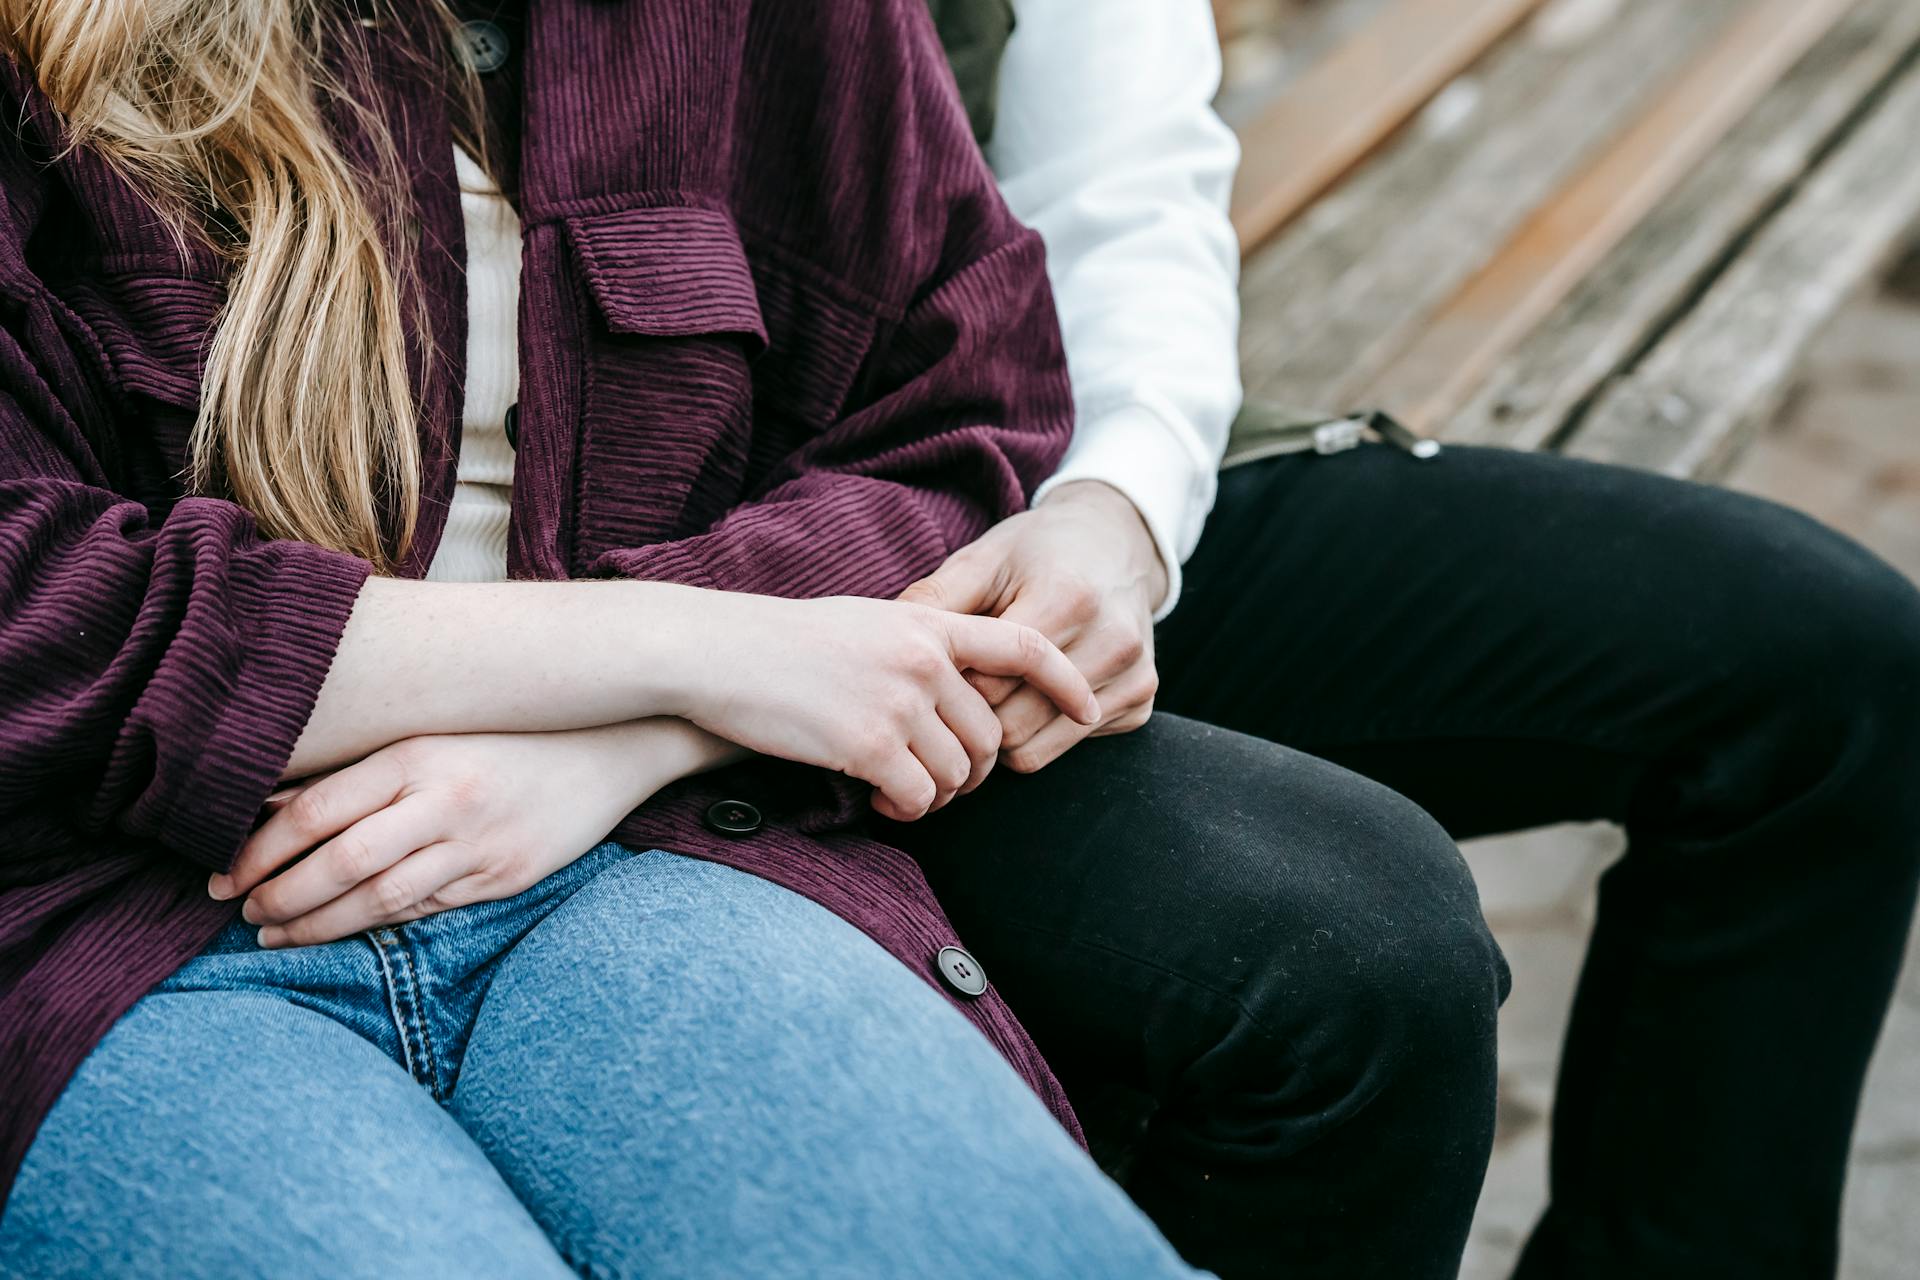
column 474, row 546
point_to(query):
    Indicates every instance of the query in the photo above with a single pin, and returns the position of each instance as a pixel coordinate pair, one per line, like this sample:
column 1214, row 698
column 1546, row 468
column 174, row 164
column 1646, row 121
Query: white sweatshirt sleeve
column 1107, row 145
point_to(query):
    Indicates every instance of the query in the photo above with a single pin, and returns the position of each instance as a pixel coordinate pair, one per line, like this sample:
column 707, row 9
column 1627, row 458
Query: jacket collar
column 628, row 104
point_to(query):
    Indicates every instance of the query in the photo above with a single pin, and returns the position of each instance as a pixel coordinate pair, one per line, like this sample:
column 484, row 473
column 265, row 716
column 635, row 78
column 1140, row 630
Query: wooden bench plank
column 1330, row 300
column 1569, row 235
column 1335, row 114
column 1725, row 367
column 1667, row 260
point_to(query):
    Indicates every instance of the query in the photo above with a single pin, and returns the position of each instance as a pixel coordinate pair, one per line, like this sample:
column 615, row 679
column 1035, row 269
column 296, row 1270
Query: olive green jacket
column 975, row 33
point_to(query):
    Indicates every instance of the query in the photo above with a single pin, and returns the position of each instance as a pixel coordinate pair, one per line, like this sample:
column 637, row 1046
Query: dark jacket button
column 512, row 425
column 483, row 45
column 960, row 973
column 733, row 818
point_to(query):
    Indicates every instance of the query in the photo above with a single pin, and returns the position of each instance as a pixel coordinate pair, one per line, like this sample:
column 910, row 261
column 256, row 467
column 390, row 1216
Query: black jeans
column 1262, row 972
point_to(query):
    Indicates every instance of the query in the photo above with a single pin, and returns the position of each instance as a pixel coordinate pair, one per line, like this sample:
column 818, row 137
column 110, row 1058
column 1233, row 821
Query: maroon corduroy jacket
column 778, row 335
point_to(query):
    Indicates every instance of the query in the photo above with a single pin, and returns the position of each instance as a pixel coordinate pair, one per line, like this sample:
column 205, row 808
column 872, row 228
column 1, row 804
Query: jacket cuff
column 1138, row 451
column 671, row 562
column 291, row 601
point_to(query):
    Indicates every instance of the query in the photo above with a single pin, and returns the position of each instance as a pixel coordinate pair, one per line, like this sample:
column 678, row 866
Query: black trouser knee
column 1268, row 989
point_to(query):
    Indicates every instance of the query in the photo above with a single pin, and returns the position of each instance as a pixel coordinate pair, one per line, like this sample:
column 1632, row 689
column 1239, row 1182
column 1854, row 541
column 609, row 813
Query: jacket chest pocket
column 666, row 414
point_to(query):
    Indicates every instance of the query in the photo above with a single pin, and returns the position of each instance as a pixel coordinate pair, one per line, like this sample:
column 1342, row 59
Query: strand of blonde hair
column 214, row 109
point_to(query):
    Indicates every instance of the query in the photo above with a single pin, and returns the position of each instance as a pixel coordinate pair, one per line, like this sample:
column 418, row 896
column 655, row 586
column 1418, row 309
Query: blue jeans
column 644, row 1065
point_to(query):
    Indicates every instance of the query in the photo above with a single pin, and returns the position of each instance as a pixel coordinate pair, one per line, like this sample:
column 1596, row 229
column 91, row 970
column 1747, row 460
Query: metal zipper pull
column 1338, row 436
column 1401, row 436
column 1270, row 431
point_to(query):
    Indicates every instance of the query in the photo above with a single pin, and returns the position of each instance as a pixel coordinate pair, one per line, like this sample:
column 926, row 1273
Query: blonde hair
column 214, row 108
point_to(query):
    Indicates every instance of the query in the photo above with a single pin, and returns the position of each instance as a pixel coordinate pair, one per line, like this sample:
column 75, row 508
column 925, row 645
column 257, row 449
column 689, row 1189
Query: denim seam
column 586, row 1268
column 380, row 940
column 419, row 1013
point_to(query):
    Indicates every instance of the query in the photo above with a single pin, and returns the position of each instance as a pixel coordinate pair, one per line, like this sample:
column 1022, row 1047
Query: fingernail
column 270, row 937
column 1092, row 715
column 250, row 913
column 220, row 888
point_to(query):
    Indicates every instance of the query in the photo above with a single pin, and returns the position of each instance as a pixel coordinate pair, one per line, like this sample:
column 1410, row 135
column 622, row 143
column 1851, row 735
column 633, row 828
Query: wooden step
column 1722, row 370
column 1569, row 235
column 1337, row 294
column 1648, row 282
column 1331, row 118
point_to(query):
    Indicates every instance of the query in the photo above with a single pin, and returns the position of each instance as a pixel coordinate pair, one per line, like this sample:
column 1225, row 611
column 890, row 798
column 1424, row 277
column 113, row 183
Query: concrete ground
column 1846, row 449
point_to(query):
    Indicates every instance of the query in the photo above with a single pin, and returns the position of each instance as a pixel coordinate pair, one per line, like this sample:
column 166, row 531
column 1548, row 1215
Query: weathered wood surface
column 1724, row 367
column 1336, row 294
column 1564, row 239
column 1335, row 114
column 1224, row 18
column 1280, row 41
column 1641, row 287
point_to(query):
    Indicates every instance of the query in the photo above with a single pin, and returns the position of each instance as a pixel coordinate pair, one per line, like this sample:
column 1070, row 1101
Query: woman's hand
column 439, row 822
column 875, row 689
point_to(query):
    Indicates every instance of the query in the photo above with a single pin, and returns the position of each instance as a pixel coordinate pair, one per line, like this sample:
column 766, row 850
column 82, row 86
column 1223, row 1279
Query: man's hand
column 1081, row 569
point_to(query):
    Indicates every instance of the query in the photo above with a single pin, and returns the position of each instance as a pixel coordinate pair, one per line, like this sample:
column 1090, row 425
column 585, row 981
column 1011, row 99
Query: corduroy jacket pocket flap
column 154, row 328
column 669, row 272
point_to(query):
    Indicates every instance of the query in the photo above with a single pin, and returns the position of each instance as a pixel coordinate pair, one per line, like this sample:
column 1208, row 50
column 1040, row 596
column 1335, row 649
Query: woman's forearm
column 423, row 658
column 862, row 687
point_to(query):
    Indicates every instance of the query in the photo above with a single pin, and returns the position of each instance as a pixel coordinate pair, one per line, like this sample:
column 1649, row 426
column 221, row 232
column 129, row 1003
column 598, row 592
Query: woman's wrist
column 668, row 665
column 698, row 642
column 636, row 759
